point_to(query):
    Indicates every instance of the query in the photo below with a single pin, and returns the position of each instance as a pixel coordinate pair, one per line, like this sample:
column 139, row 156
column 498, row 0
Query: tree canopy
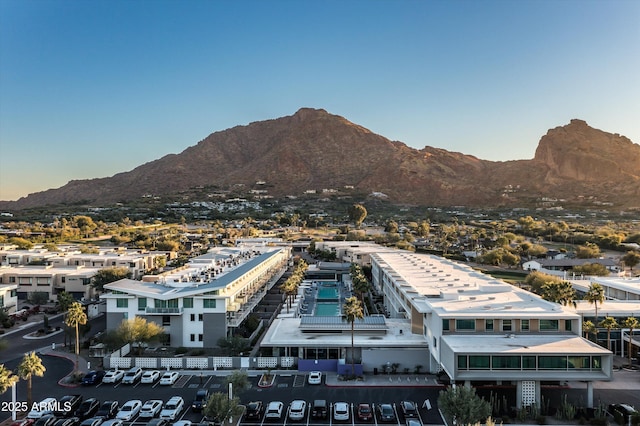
column 462, row 404
column 109, row 275
column 139, row 331
column 357, row 214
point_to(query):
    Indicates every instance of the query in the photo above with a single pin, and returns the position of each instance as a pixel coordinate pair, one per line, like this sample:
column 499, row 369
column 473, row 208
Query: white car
column 132, row 376
column 46, row 406
column 150, row 376
column 341, row 411
column 297, row 410
column 112, row 422
column 274, row 410
column 113, row 376
column 169, row 378
column 150, row 409
column 183, row 423
column 315, row 378
column 129, row 410
column 172, row 408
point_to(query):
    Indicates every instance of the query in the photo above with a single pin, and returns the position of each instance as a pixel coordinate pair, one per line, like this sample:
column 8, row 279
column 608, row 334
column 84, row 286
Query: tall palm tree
column 595, row 295
column 588, row 327
column 609, row 323
column 353, row 311
column 7, row 379
column 630, row 323
column 76, row 317
column 31, row 365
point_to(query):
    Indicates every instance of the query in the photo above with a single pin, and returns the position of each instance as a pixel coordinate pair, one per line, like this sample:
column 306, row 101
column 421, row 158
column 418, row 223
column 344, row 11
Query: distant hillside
column 315, row 150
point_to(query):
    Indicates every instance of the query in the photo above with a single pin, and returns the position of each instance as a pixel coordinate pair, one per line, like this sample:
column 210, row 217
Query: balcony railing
column 163, row 311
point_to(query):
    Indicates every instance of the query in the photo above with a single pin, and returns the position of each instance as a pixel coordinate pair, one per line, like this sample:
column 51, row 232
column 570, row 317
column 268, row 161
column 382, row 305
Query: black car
column 200, row 400
column 67, row 405
column 107, row 410
column 386, row 413
column 46, row 420
column 70, row 421
column 93, row 377
column 409, row 409
column 319, row 409
column 254, row 410
column 87, row 409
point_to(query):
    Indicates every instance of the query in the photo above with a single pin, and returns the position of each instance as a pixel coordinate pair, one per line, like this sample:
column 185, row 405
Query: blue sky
column 92, row 88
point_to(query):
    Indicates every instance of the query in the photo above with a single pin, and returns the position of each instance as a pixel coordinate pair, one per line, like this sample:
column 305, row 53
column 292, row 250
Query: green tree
column 596, row 269
column 631, row 259
column 352, row 311
column 588, row 328
column 109, row 275
column 74, row 318
column 562, row 293
column 239, row 381
column 609, row 323
column 588, row 251
column 7, row 379
column 357, row 214
column 220, row 407
column 631, row 323
column 85, row 224
column 31, row 365
column 234, row 345
column 595, row 295
column 462, row 405
column 537, row 279
column 423, row 229
column 64, row 301
column 139, row 331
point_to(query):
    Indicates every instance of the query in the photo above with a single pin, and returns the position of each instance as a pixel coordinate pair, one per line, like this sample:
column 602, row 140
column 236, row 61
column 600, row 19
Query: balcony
column 163, row 311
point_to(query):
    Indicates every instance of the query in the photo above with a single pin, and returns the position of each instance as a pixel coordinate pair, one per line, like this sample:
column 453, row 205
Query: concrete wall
column 407, row 358
column 215, row 327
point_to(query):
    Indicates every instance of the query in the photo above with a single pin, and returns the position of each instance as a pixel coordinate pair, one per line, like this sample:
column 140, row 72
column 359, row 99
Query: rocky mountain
column 315, row 150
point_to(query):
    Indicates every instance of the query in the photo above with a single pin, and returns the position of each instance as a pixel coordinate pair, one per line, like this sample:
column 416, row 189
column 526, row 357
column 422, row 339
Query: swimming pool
column 328, row 293
column 326, row 309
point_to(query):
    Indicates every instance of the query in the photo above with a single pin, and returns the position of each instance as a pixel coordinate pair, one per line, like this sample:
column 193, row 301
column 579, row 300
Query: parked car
column 254, row 410
column 625, row 410
column 183, row 423
column 158, row 422
column 319, row 409
column 92, row 421
column 341, row 411
column 150, row 376
column 69, row 421
column 46, row 420
column 297, row 410
column 169, row 378
column 274, row 410
column 413, row 422
column 112, row 422
column 113, row 376
column 67, row 405
column 364, row 412
column 150, row 409
column 409, row 409
column 172, row 408
column 107, row 410
column 386, row 413
column 87, row 409
column 23, row 422
column 93, row 377
column 132, row 376
column 44, row 407
column 129, row 410
column 200, row 400
column 315, row 378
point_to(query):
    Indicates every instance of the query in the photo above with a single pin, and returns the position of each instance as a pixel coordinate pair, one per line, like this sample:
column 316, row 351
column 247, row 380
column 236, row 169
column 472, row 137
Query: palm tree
column 630, row 323
column 7, row 379
column 559, row 292
column 76, row 317
column 595, row 295
column 609, row 323
column 352, row 311
column 588, row 327
column 31, row 365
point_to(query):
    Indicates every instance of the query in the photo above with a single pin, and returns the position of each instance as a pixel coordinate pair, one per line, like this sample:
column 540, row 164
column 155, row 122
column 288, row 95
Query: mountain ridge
column 316, row 150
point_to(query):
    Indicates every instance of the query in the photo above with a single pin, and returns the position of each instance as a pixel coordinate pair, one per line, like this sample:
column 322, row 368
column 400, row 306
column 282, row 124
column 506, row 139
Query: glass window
column 193, row 337
column 505, row 362
column 524, row 325
column 172, row 303
column 462, row 362
column 552, row 362
column 596, row 362
column 142, row 303
column 187, row 302
column 466, row 324
column 166, row 320
column 445, row 325
column 506, row 325
column 548, row 325
column 200, row 337
column 208, row 303
column 529, row 362
column 567, row 325
column 580, row 362
column 488, row 325
column 122, row 303
column 160, row 303
column 200, row 317
column 193, row 317
column 479, row 362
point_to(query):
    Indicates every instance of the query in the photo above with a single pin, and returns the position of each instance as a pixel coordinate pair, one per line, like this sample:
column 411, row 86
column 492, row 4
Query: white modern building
column 203, row 301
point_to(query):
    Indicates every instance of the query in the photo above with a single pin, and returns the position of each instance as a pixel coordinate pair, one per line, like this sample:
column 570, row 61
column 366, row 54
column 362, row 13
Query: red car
column 364, row 412
column 24, row 422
